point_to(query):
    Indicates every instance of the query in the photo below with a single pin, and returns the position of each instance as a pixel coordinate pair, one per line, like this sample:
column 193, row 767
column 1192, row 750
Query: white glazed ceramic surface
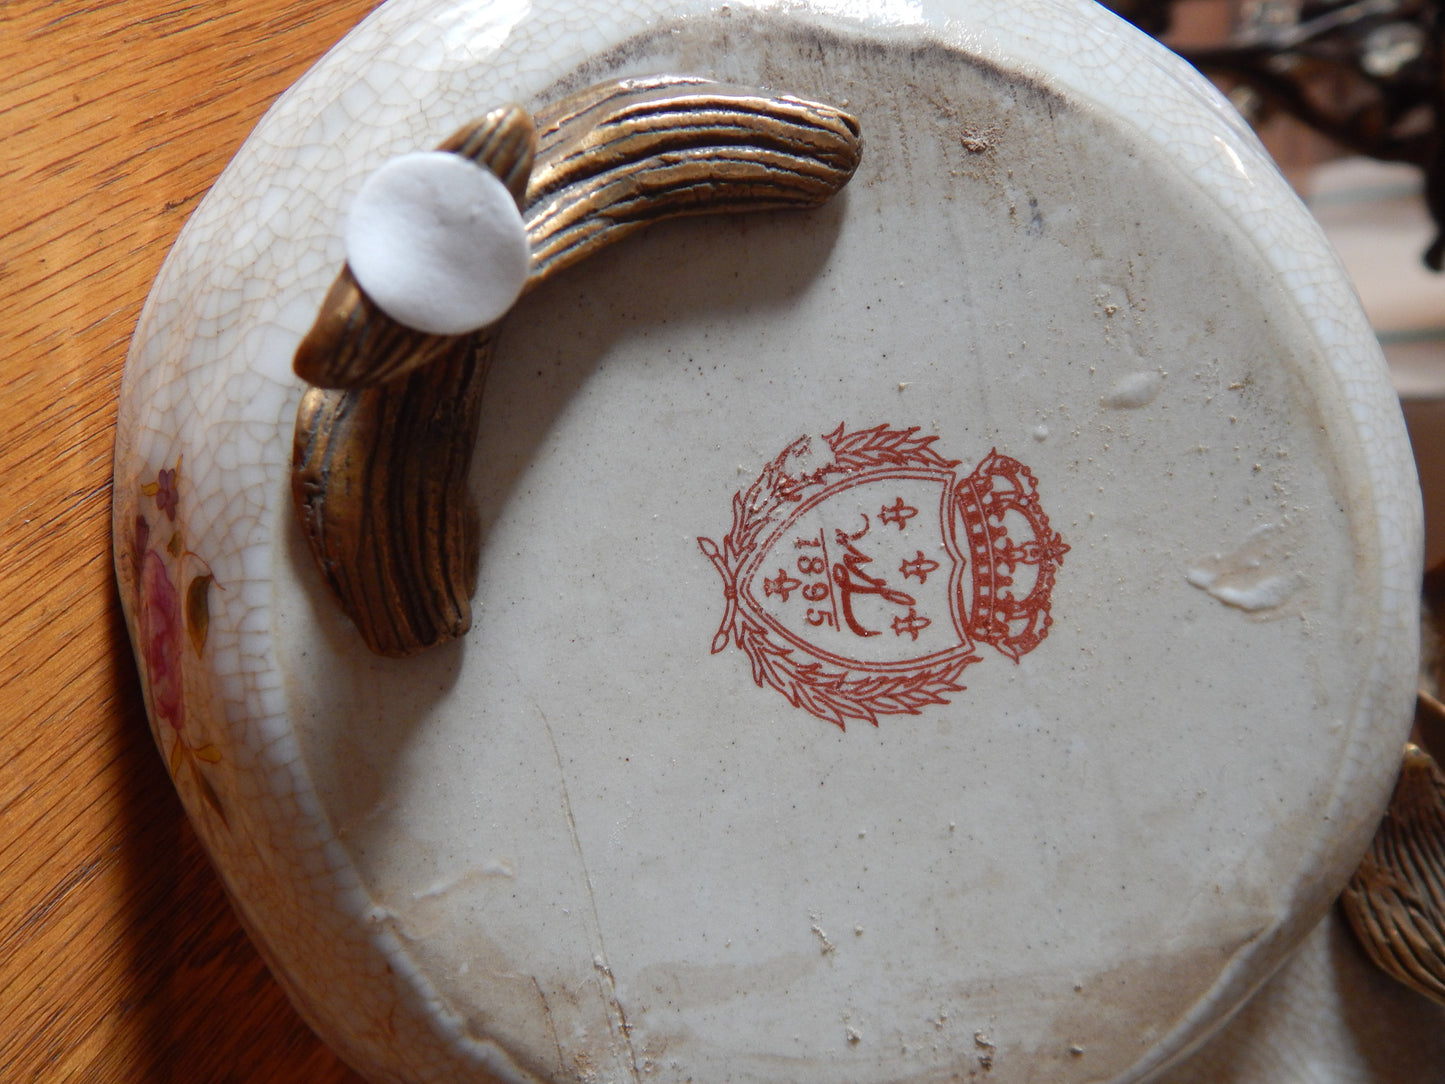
column 580, row 846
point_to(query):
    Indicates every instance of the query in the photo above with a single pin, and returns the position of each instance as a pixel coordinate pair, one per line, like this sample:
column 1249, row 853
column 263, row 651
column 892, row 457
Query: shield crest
column 859, row 576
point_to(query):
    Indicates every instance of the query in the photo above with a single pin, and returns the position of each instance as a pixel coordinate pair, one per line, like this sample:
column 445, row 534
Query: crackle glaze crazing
column 169, row 590
column 576, row 845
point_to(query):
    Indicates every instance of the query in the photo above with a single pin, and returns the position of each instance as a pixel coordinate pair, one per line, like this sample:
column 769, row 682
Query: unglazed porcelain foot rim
column 1066, row 286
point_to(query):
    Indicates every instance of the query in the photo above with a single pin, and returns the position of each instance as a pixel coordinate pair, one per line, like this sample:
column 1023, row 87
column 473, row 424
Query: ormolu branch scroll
column 1396, row 900
column 384, row 440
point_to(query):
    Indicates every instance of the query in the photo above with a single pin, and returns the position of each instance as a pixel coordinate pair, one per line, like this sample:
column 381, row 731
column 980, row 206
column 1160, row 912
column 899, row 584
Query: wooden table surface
column 120, row 958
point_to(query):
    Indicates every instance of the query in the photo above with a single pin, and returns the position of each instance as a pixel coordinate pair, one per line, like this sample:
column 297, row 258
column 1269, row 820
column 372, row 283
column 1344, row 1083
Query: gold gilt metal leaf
column 384, row 438
column 1396, row 900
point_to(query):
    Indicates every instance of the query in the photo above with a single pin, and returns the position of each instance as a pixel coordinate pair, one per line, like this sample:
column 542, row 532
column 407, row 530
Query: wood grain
column 120, row 959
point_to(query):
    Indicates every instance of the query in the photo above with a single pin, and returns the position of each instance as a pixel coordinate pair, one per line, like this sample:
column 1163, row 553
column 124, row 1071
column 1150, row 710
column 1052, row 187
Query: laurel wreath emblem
column 835, row 694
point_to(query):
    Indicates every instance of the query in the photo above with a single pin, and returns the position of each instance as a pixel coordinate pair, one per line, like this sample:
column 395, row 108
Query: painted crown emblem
column 999, row 495
column 859, row 576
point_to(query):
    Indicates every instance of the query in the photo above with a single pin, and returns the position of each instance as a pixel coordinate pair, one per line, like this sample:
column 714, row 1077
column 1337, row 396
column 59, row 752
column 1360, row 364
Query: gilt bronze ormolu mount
column 384, row 437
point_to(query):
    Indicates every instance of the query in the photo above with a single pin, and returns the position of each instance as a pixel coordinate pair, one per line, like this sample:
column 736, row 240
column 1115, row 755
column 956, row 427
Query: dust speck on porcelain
column 742, row 479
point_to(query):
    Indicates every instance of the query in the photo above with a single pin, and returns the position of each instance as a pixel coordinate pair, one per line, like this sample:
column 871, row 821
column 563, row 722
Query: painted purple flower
column 168, row 493
column 161, row 636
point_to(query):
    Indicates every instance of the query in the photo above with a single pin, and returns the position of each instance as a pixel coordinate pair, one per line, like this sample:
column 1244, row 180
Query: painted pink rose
column 161, row 636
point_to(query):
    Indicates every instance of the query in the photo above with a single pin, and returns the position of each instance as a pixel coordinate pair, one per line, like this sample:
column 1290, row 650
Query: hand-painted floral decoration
column 164, row 623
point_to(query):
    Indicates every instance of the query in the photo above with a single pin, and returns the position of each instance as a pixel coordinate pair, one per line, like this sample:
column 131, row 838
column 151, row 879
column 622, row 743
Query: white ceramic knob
column 1066, row 324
